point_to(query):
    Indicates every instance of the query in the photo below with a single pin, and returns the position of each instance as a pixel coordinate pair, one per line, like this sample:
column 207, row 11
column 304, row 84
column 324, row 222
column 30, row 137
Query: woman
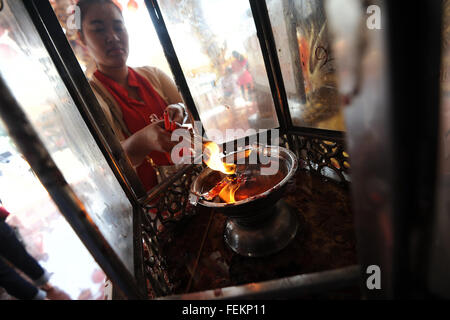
column 129, row 96
column 245, row 80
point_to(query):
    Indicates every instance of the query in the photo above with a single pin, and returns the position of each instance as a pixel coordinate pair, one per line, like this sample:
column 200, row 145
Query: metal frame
column 325, row 157
column 318, row 133
column 267, row 43
column 166, row 206
column 415, row 207
column 291, row 287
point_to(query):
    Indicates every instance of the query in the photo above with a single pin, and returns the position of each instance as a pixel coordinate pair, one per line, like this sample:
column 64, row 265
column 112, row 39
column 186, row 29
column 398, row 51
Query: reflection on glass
column 145, row 48
column 43, row 229
column 35, row 82
column 307, row 63
column 219, row 52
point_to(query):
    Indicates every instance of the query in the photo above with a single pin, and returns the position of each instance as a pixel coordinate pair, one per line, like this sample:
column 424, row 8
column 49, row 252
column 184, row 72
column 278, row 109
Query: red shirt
column 136, row 115
column 3, row 213
column 240, row 67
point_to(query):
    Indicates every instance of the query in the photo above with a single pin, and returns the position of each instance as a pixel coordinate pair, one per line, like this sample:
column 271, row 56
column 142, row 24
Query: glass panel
column 307, row 63
column 43, row 229
column 219, row 53
column 36, row 84
column 145, row 48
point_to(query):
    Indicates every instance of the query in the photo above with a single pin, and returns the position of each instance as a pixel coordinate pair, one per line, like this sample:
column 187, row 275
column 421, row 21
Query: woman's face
column 105, row 35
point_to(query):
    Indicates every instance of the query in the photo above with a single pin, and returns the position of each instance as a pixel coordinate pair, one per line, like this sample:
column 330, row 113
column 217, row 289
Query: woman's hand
column 157, row 137
column 176, row 112
column 150, row 138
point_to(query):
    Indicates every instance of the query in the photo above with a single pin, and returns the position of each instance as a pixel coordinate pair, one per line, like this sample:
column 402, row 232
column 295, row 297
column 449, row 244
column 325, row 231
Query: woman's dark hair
column 84, row 6
column 237, row 55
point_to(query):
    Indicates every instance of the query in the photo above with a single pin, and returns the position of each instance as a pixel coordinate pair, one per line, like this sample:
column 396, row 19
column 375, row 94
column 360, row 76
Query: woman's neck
column 119, row 74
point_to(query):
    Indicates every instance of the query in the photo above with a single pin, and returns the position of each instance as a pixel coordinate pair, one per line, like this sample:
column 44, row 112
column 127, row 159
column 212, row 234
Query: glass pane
column 145, row 48
column 219, row 53
column 36, row 84
column 43, row 229
column 307, row 64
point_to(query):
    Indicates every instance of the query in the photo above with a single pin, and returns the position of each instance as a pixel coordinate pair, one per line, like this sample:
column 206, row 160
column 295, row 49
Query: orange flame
column 213, row 160
column 227, row 193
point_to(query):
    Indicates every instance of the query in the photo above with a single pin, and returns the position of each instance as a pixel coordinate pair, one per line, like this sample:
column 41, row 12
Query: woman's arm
column 169, row 87
column 153, row 137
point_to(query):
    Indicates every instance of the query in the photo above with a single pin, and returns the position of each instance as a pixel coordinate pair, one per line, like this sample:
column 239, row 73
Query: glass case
column 334, row 87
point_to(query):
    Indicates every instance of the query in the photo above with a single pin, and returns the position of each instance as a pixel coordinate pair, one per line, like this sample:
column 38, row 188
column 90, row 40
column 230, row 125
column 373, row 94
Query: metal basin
column 258, row 223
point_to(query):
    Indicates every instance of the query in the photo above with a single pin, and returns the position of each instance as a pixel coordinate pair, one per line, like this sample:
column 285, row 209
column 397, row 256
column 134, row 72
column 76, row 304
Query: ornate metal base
column 264, row 238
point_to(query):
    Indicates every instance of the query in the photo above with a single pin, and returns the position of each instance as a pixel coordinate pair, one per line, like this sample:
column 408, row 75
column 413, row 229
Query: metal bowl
column 260, row 224
column 288, row 165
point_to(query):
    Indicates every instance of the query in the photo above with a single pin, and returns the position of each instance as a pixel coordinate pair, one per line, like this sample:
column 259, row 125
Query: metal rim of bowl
column 261, row 195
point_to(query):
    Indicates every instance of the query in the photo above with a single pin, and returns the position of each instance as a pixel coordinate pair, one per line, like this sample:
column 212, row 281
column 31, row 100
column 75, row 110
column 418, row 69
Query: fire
column 214, row 161
column 227, row 187
column 227, row 193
